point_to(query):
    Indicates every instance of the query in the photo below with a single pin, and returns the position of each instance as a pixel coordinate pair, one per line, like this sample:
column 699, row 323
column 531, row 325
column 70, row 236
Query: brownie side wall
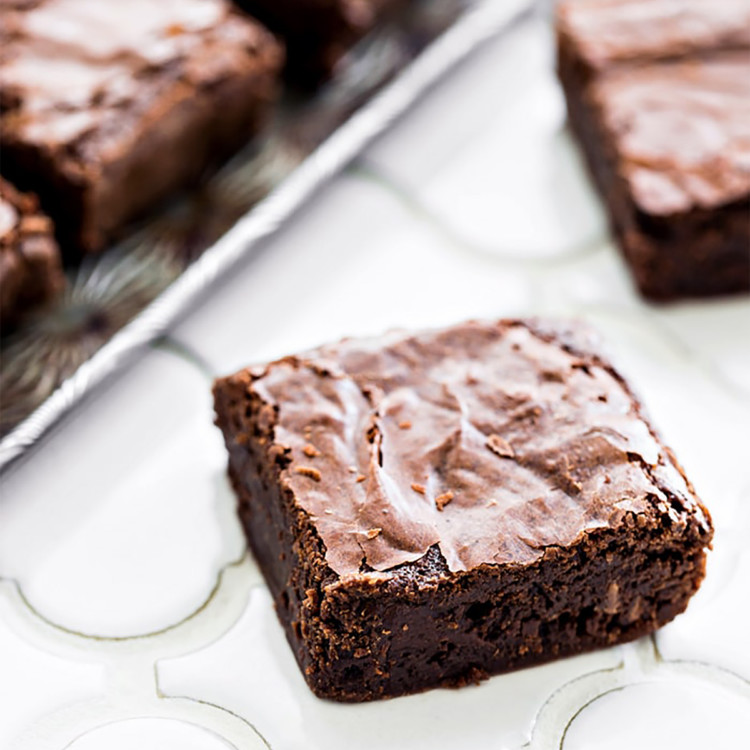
column 284, row 542
column 424, row 626
column 188, row 139
column 598, row 593
column 700, row 253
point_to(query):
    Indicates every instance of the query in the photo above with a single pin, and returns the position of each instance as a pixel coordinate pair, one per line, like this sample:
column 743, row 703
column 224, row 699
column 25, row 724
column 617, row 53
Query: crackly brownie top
column 76, row 75
column 492, row 441
column 608, row 32
column 682, row 130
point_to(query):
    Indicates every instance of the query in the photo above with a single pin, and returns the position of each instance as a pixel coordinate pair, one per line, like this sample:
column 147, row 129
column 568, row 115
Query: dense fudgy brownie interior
column 431, row 509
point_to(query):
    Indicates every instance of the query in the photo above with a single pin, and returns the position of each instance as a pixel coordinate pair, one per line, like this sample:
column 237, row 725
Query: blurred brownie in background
column 107, row 107
column 318, row 32
column 658, row 93
column 30, row 269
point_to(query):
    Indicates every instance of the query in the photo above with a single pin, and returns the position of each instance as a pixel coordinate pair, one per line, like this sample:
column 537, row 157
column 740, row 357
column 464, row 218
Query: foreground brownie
column 30, row 269
column 318, row 33
column 109, row 107
column 658, row 93
column 429, row 510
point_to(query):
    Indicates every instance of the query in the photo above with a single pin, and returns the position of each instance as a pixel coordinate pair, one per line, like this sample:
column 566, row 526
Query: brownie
column 431, row 509
column 658, row 94
column 318, row 33
column 109, row 107
column 30, row 269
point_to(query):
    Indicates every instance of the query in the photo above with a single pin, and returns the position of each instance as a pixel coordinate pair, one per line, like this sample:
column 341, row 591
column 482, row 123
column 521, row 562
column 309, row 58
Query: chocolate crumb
column 311, row 451
column 308, row 471
column 500, row 446
column 418, row 488
column 442, row 500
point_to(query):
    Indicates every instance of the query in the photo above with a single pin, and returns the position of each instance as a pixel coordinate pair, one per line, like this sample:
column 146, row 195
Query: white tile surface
column 661, row 715
column 503, row 176
column 355, row 262
column 34, row 683
column 716, row 630
column 149, row 734
column 466, row 104
column 474, row 206
column 121, row 522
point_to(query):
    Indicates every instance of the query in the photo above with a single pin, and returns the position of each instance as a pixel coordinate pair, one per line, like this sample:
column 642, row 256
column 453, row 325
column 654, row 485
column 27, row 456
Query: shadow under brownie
column 432, row 509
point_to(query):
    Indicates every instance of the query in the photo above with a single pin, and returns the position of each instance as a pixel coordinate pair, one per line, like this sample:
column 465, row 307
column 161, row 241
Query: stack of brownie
column 658, row 93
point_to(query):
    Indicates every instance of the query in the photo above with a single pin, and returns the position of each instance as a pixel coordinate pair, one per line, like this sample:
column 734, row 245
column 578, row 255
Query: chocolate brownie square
column 109, row 107
column 30, row 269
column 658, row 94
column 435, row 508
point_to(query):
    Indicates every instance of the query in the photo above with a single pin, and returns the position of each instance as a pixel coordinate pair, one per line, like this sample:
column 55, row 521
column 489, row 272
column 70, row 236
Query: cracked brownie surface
column 432, row 508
